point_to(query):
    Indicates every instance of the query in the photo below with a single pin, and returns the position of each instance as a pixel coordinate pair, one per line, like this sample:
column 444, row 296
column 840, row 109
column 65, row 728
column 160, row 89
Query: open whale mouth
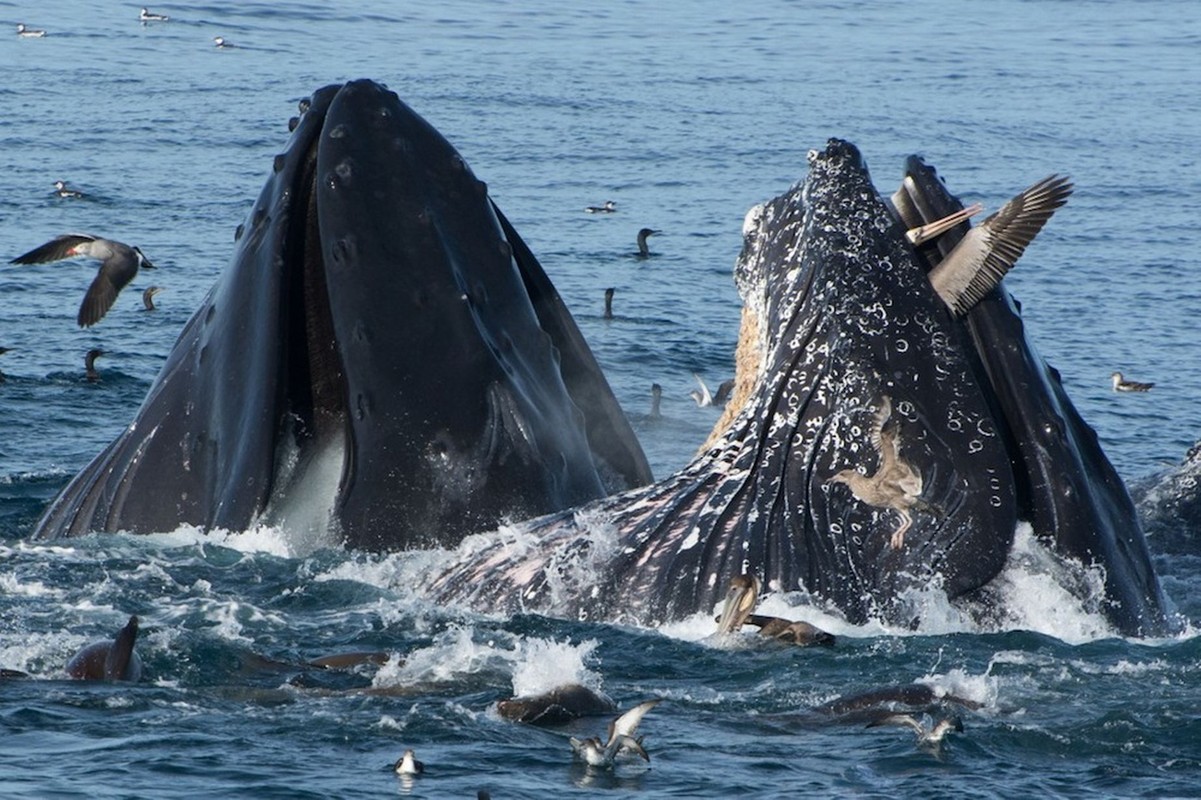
column 384, row 361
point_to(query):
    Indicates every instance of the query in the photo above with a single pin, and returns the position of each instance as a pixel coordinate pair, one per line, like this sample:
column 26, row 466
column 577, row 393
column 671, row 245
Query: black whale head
column 383, row 345
column 876, row 454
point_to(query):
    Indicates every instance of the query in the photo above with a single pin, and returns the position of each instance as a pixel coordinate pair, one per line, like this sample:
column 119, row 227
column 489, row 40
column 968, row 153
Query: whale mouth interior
column 312, row 446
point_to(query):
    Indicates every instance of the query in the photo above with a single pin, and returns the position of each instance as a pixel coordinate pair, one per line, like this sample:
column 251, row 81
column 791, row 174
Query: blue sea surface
column 685, row 115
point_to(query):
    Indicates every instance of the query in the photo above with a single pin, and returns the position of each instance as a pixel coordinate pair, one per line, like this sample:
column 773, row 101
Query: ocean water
column 686, row 117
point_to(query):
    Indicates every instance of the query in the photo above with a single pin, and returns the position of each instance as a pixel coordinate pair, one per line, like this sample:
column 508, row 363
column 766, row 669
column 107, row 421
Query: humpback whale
column 382, row 341
column 846, row 331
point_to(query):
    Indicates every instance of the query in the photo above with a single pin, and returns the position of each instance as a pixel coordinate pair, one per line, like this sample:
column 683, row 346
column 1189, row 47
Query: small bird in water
column 89, row 363
column 114, row 660
column 926, row 737
column 609, row 303
column 119, row 265
column 608, row 208
column 896, row 484
column 656, row 399
column 29, row 33
column 408, row 764
column 990, row 249
column 643, row 250
column 220, row 42
column 148, row 297
column 704, row 398
column 741, row 600
column 1120, row 384
column 621, row 738
column 148, row 16
column 62, row 190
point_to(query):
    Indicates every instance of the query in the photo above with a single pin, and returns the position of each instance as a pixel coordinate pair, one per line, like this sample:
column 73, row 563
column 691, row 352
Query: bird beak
column 938, row 227
column 739, row 602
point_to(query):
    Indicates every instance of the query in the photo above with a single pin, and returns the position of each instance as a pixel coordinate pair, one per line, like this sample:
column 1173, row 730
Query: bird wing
column 99, row 299
column 627, row 723
column 706, row 399
column 56, row 249
column 877, row 434
column 987, row 252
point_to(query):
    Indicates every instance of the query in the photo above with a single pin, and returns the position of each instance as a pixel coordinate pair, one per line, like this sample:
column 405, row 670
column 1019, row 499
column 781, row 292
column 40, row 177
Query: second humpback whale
column 845, row 329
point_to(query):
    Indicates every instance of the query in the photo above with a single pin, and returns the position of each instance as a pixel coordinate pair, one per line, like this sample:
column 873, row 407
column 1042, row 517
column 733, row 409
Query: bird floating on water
column 221, row 43
column 29, row 33
column 704, row 398
column 1120, row 384
column 148, row 297
column 990, row 249
column 119, row 264
column 62, row 190
column 896, row 483
column 740, row 602
column 926, row 737
column 621, row 738
column 89, row 363
column 643, row 250
column 408, row 764
column 148, row 16
column 608, row 208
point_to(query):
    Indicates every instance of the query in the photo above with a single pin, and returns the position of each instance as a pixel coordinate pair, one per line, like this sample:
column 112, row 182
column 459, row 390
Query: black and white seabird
column 926, row 737
column 148, row 16
column 609, row 303
column 643, row 250
column 89, row 363
column 895, row 484
column 29, row 33
column 740, row 602
column 990, row 249
column 1120, row 384
column 119, row 265
column 148, row 297
column 220, row 42
column 608, row 208
column 407, row 764
column 62, row 190
column 621, row 738
column 704, row 398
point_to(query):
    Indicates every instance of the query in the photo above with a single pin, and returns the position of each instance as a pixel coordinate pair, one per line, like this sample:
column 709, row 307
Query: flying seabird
column 29, row 33
column 407, row 764
column 896, row 484
column 62, row 190
column 608, row 208
column 1120, row 384
column 643, row 250
column 89, row 363
column 990, row 249
column 740, row 601
column 148, row 297
column 609, row 303
column 148, row 16
column 621, row 737
column 926, row 737
column 119, row 265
